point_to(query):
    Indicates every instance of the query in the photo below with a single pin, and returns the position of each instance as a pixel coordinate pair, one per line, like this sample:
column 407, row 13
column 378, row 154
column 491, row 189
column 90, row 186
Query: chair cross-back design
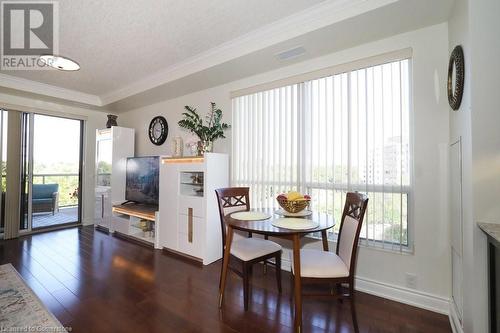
column 234, row 201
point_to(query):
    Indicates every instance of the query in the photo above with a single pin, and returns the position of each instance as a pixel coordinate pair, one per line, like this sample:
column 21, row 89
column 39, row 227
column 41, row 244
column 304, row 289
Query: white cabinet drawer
column 198, row 225
column 191, row 238
column 197, row 204
column 190, row 248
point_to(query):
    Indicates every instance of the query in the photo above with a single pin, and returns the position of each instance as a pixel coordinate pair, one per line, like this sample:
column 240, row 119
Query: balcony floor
column 65, row 215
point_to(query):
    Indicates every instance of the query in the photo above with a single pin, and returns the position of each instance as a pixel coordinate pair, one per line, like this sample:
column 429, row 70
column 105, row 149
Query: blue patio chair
column 45, row 198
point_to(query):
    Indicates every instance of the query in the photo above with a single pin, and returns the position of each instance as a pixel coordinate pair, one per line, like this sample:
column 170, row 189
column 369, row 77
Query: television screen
column 142, row 183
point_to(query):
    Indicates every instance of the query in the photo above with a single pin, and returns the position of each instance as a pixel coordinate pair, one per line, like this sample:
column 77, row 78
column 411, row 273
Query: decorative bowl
column 293, row 206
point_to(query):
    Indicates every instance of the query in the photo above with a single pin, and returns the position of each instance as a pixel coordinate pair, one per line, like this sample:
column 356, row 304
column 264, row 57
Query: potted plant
column 207, row 133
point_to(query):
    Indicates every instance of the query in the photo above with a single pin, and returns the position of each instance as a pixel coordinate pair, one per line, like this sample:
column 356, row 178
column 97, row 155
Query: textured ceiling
column 118, row 42
column 410, row 15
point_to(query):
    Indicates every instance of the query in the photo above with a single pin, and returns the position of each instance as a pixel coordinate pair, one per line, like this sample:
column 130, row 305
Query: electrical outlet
column 411, row 280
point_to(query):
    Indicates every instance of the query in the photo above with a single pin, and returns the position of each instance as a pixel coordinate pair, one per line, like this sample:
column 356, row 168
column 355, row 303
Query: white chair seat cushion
column 250, row 248
column 321, row 264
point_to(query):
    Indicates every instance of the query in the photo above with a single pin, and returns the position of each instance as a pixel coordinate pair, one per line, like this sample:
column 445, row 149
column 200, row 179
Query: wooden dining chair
column 247, row 251
column 317, row 266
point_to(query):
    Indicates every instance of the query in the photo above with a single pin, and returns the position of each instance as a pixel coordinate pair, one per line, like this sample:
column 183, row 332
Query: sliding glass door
column 51, row 171
column 3, row 156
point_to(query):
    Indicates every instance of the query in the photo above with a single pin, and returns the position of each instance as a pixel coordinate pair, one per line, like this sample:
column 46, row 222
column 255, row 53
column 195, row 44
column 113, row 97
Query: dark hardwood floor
column 94, row 282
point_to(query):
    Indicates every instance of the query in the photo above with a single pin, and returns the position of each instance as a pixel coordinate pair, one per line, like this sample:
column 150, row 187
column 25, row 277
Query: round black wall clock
column 158, row 130
column 456, row 70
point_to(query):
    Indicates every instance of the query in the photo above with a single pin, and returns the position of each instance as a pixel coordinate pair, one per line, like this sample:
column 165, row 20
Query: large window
column 344, row 132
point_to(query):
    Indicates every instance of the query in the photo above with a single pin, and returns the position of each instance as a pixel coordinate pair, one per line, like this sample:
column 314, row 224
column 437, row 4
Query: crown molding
column 17, row 83
column 316, row 17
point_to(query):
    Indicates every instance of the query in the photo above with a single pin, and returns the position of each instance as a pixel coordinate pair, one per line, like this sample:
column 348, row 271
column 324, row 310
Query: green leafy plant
column 213, row 130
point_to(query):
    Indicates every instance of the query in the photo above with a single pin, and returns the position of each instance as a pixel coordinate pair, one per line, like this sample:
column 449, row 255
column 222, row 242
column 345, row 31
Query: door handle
column 102, row 205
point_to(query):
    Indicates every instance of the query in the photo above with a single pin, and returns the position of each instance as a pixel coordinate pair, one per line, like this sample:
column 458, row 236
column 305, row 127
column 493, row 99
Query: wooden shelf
column 146, row 212
column 187, row 159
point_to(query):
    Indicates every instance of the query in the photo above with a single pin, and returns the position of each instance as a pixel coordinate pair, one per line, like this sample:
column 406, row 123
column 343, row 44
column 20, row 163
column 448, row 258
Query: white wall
column 93, row 120
column 378, row 270
column 475, row 25
column 485, row 53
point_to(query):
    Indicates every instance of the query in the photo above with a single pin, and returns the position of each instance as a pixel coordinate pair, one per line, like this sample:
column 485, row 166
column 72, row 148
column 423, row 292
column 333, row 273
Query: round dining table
column 266, row 227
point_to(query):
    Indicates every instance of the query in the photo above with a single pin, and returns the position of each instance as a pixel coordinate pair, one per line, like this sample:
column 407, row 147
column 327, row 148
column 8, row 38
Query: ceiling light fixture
column 60, row 62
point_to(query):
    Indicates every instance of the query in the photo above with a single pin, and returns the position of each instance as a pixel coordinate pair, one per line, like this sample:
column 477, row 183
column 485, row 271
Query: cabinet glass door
column 104, row 158
column 3, row 154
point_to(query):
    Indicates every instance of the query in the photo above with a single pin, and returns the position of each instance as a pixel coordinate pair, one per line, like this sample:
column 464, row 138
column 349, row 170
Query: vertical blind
column 327, row 136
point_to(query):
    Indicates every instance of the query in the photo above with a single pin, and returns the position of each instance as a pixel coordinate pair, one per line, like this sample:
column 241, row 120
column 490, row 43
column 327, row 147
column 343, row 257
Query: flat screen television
column 142, row 180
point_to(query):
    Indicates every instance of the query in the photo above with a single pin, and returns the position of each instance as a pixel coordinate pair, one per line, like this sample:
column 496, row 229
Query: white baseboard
column 395, row 293
column 404, row 295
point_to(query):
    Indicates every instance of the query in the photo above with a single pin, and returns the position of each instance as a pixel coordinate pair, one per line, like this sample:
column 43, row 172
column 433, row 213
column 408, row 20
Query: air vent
column 291, row 53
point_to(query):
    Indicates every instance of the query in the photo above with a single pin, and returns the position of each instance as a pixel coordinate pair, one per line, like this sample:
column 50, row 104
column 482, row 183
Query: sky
column 56, row 140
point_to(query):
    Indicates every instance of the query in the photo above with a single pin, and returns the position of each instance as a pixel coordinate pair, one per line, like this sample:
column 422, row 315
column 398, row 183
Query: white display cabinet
column 189, row 221
column 113, row 146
